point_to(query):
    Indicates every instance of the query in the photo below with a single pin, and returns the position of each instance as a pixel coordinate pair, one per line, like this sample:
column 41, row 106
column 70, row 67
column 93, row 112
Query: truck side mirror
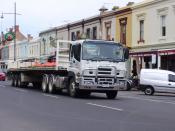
column 126, row 53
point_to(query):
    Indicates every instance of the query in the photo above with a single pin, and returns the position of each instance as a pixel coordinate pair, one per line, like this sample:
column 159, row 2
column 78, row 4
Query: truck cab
column 97, row 66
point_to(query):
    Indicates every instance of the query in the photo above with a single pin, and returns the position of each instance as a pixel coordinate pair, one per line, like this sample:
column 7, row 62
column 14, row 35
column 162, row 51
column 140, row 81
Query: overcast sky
column 38, row 15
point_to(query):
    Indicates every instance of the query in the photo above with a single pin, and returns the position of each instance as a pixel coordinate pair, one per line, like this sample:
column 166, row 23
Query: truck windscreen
column 102, row 51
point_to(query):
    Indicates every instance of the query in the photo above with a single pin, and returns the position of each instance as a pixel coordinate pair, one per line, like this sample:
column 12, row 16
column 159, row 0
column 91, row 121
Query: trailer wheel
column 111, row 94
column 73, row 92
column 51, row 86
column 44, row 84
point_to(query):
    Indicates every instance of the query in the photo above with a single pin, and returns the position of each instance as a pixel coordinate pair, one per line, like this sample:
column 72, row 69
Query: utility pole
column 14, row 13
column 15, row 32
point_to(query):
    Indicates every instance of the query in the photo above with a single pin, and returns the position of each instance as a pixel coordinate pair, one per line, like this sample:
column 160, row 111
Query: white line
column 107, row 107
column 21, row 90
column 52, row 96
column 151, row 100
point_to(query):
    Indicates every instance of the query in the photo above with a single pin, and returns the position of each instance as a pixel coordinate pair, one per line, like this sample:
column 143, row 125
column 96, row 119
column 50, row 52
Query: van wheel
column 149, row 91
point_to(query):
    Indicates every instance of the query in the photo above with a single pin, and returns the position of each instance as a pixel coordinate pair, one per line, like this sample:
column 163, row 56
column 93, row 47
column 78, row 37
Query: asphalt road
column 30, row 110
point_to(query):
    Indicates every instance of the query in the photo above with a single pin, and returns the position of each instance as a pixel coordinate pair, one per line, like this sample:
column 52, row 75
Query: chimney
column 10, row 29
column 115, row 8
column 17, row 28
column 130, row 3
column 103, row 9
column 29, row 37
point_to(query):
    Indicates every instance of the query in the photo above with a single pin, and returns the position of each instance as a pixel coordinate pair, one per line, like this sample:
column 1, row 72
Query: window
column 76, row 51
column 123, row 34
column 171, row 78
column 78, row 36
column 123, row 23
column 94, row 33
column 73, row 36
column 108, row 30
column 163, row 25
column 141, row 30
column 88, row 33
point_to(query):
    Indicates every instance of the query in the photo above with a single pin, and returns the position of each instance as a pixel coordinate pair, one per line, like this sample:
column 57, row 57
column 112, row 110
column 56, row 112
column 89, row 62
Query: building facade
column 153, row 35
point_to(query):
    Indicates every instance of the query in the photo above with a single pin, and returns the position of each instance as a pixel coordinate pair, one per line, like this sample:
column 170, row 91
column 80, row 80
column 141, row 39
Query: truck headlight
column 89, row 72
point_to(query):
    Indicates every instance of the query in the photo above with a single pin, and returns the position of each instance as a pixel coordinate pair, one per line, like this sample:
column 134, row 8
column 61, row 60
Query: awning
column 149, row 53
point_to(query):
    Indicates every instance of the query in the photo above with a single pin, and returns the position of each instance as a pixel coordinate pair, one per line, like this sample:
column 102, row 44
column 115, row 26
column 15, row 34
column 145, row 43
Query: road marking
column 52, row 96
column 151, row 100
column 21, row 90
column 107, row 107
column 2, row 86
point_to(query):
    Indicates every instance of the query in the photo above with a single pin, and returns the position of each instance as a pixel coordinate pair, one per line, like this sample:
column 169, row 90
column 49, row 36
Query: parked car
column 154, row 80
column 2, row 76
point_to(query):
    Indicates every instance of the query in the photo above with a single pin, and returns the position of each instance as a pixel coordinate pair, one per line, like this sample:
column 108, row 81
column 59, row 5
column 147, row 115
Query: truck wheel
column 111, row 94
column 149, row 91
column 44, row 84
column 12, row 81
column 16, row 81
column 51, row 87
column 20, row 83
column 73, row 92
column 36, row 85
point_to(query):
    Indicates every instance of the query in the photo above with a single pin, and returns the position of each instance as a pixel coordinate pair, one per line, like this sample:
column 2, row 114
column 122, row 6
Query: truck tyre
column 36, row 85
column 149, row 91
column 44, row 84
column 12, row 81
column 20, row 83
column 111, row 94
column 73, row 92
column 51, row 86
column 16, row 81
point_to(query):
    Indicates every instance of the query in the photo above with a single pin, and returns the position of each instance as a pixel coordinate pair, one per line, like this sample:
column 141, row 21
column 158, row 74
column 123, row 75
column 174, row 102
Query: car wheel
column 149, row 91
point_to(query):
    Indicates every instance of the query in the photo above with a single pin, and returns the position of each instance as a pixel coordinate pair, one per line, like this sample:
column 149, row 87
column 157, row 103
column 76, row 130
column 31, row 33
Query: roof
column 89, row 19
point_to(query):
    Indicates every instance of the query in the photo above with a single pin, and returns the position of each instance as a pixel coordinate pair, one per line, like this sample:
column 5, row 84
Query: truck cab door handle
column 169, row 84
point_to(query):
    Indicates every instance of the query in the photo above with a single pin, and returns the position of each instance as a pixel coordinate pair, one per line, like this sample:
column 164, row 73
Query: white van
column 154, row 80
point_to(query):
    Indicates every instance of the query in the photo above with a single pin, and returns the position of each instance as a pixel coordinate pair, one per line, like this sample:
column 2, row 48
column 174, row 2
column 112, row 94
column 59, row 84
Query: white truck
column 83, row 67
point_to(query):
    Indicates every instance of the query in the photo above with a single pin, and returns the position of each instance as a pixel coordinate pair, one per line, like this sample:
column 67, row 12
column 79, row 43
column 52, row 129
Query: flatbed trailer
column 78, row 72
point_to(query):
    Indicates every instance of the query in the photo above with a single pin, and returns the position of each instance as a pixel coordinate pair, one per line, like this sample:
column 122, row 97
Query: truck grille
column 106, row 81
column 104, row 71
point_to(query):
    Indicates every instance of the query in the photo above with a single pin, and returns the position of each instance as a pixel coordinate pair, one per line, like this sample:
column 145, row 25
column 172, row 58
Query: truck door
column 75, row 55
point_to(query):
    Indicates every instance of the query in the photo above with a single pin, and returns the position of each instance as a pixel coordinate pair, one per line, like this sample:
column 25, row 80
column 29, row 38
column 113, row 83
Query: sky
column 38, row 15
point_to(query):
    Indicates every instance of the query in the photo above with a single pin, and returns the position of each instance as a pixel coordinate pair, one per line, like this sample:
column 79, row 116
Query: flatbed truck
column 83, row 67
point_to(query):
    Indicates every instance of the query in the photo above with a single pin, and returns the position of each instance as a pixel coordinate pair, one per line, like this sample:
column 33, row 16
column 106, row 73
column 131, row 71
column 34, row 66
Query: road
column 27, row 109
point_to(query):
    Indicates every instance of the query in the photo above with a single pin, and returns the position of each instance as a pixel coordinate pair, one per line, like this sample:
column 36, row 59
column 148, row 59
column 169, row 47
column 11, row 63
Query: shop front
column 159, row 59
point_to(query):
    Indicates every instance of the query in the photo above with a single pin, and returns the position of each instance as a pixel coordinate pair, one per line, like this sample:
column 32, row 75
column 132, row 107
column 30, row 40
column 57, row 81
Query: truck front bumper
column 101, row 84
